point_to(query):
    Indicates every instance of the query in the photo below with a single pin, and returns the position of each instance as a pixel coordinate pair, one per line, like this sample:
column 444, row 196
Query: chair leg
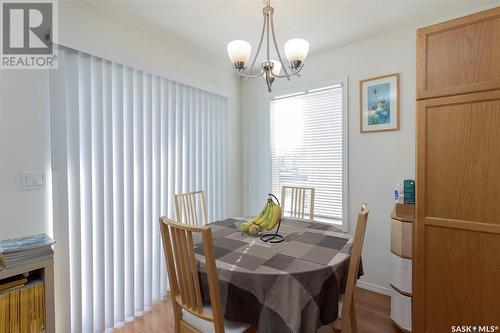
column 177, row 318
column 353, row 320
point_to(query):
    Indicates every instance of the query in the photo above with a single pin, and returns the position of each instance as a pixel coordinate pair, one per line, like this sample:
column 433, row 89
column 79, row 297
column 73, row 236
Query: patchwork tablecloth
column 293, row 286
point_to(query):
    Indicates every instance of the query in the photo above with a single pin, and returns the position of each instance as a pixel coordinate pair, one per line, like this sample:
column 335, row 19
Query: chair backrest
column 352, row 275
column 298, row 201
column 191, row 208
column 183, row 272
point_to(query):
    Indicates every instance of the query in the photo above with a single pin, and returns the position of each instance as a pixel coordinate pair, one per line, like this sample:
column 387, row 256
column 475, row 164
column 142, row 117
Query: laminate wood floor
column 372, row 309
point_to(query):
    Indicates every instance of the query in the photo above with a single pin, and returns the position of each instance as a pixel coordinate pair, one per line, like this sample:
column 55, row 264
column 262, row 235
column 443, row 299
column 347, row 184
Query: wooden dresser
column 401, row 271
column 456, row 235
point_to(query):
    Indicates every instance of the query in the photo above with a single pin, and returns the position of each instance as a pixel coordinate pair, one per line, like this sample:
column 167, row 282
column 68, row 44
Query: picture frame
column 379, row 103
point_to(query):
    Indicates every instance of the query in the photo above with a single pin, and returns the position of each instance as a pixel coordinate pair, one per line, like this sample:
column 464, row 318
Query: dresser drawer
column 401, row 310
column 401, row 273
column 401, row 241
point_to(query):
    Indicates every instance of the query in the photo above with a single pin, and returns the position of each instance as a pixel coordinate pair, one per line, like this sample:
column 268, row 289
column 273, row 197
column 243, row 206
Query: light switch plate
column 32, row 180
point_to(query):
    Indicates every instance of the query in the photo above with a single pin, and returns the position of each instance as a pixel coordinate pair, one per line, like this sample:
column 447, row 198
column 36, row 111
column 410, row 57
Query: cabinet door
column 459, row 56
column 456, row 254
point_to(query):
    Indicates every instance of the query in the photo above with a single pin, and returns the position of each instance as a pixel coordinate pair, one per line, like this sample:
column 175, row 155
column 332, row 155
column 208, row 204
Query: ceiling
column 210, row 25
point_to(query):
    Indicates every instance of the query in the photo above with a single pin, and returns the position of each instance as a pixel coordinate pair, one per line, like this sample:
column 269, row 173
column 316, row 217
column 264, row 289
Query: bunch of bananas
column 267, row 219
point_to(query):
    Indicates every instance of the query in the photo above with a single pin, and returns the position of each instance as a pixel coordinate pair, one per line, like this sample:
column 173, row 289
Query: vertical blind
column 307, row 146
column 124, row 142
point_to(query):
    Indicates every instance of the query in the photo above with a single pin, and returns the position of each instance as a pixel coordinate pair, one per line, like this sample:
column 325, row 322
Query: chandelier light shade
column 295, row 50
column 276, row 68
column 239, row 52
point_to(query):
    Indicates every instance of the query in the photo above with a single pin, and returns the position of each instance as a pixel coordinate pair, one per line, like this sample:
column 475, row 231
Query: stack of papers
column 20, row 251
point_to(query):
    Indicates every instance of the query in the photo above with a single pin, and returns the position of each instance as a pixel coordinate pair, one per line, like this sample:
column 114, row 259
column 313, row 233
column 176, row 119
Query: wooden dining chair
column 346, row 323
column 191, row 208
column 298, row 199
column 190, row 314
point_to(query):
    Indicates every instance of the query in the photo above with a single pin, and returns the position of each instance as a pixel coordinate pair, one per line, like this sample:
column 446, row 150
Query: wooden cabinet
column 459, row 56
column 456, row 235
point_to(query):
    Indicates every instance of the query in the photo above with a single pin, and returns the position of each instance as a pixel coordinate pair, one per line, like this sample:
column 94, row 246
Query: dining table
column 293, row 286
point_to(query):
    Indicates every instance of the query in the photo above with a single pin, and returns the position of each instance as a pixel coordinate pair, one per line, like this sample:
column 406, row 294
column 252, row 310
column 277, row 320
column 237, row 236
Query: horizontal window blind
column 124, row 142
column 307, row 147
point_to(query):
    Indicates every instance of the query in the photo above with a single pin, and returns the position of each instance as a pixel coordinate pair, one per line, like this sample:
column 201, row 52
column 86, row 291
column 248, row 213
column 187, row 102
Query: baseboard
column 374, row 287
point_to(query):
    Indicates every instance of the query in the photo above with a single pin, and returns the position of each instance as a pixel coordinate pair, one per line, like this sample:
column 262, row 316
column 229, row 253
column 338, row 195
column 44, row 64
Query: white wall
column 377, row 161
column 25, row 109
column 24, row 146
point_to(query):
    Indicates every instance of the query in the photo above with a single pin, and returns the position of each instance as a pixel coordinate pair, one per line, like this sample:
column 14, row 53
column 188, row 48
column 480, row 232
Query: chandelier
column 295, row 50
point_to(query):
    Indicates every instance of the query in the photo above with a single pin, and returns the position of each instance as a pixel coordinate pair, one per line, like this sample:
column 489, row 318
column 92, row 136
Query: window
column 307, row 138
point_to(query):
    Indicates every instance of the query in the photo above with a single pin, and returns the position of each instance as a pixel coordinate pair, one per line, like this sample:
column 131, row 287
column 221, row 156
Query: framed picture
column 379, row 101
